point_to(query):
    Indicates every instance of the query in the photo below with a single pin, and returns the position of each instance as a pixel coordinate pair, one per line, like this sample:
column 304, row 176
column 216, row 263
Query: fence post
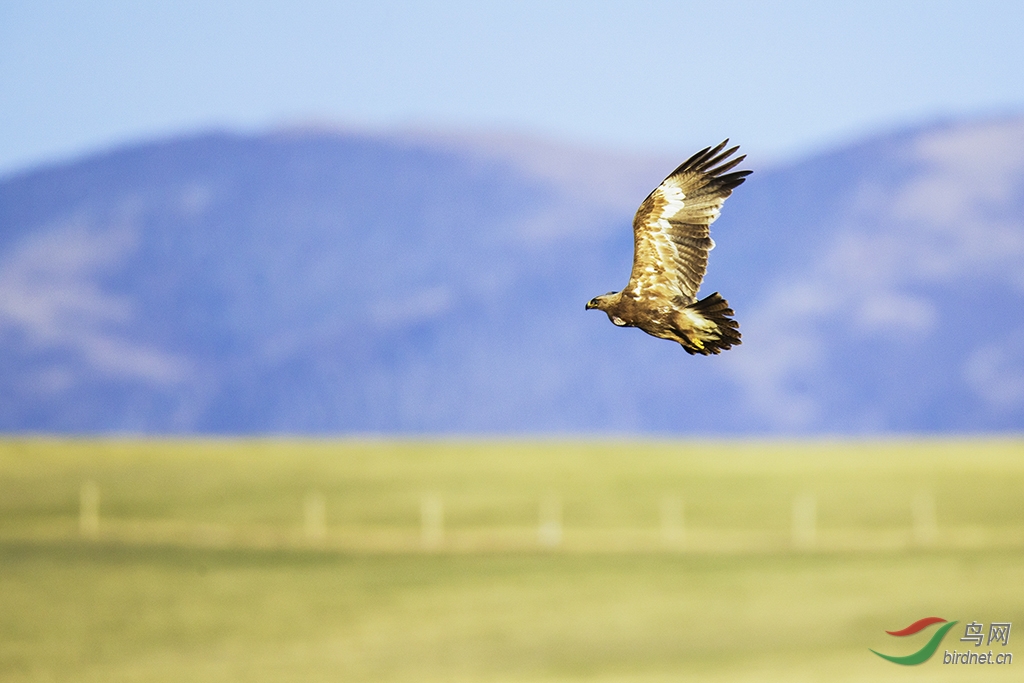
column 89, row 510
column 315, row 514
column 431, row 521
column 805, row 513
column 549, row 529
column 673, row 529
column 926, row 528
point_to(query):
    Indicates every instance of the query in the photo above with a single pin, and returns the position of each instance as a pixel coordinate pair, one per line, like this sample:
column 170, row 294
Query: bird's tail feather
column 720, row 331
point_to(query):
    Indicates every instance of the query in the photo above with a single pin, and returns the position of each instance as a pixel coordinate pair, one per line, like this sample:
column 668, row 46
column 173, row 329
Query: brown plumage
column 671, row 241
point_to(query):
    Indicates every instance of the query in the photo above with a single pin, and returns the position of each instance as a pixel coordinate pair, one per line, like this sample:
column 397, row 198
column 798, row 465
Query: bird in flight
column 671, row 241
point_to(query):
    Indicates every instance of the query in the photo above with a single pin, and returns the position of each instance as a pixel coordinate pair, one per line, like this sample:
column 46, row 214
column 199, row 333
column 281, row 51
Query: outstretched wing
column 671, row 229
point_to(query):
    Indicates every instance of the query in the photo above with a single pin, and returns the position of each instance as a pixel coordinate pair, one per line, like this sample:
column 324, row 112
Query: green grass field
column 264, row 560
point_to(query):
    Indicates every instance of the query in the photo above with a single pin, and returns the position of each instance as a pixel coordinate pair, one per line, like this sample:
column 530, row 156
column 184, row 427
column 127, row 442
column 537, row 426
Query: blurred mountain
column 321, row 282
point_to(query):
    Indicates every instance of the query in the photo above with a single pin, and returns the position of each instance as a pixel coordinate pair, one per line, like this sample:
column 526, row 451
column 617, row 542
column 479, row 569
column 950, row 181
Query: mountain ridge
column 323, row 282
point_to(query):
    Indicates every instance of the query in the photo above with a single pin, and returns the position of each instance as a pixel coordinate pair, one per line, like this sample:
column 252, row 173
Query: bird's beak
column 588, row 307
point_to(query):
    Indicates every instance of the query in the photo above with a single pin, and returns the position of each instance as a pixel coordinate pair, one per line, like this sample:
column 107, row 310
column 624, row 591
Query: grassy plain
column 204, row 564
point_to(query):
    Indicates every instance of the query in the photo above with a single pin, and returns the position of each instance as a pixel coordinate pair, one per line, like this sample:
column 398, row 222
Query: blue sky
column 782, row 78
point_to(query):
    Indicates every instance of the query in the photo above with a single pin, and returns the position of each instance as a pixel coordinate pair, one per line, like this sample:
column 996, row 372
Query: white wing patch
column 673, row 197
column 671, row 227
column 674, row 203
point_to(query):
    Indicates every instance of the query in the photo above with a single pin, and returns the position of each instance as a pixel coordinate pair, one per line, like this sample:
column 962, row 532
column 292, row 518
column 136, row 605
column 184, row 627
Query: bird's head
column 602, row 302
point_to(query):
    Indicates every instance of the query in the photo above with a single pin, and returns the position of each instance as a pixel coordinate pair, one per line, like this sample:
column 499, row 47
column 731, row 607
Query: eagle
column 671, row 241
